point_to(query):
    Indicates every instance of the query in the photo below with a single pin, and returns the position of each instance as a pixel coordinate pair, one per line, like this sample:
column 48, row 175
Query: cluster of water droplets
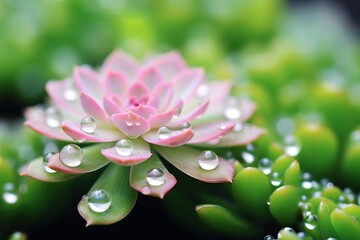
column 98, row 200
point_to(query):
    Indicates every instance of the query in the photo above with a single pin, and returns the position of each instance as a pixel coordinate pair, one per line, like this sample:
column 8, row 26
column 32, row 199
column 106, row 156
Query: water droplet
column 70, row 93
column 71, row 155
column 208, row 160
column 202, row 91
column 307, row 181
column 146, row 190
column 269, row 237
column 52, row 117
column 223, row 126
column 275, row 179
column 291, row 146
column 325, row 183
column 99, row 201
column 349, row 193
column 9, row 195
column 186, row 126
column 46, row 159
column 331, row 238
column 311, row 221
column 238, row 126
column 342, row 201
column 232, row 110
column 18, row 236
column 164, row 132
column 129, row 121
column 265, row 165
column 176, row 113
column 301, row 235
column 124, row 147
column 88, row 124
column 137, row 122
column 286, row 230
column 155, row 177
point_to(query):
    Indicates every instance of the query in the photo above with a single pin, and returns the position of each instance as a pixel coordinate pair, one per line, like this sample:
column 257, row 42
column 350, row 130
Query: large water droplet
column 70, row 93
column 176, row 113
column 46, row 159
column 9, row 195
column 311, row 222
column 186, row 126
column 164, row 132
column 99, row 200
column 52, row 117
column 265, row 165
column 155, row 177
column 71, row 155
column 291, row 146
column 202, row 91
column 232, row 110
column 269, row 237
column 208, row 160
column 88, row 124
column 275, row 179
column 124, row 147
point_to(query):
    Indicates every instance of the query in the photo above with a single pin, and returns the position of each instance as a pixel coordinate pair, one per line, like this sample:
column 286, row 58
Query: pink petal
column 186, row 160
column 110, row 106
column 131, row 124
column 88, row 81
column 138, row 178
column 208, row 132
column 186, row 82
column 40, row 126
column 101, row 134
column 218, row 92
column 162, row 119
column 140, row 153
column 247, row 109
column 143, row 110
column 177, row 138
column 92, row 107
column 56, row 90
column 196, row 113
column 138, row 91
column 121, row 61
column 169, row 64
column 165, row 93
column 247, row 135
column 154, row 101
column 150, row 76
column 116, row 82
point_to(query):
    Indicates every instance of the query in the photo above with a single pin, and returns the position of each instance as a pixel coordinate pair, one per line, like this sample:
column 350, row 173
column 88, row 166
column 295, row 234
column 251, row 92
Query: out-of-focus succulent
column 138, row 113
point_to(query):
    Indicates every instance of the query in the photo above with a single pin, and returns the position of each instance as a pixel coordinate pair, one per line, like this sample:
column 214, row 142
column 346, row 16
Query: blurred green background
column 298, row 60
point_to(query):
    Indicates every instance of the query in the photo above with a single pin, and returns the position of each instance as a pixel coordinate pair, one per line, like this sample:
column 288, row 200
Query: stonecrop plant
column 128, row 117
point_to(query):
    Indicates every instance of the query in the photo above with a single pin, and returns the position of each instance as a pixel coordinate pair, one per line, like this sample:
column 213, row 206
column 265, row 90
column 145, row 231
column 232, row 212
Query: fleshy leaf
column 138, row 178
column 186, row 160
column 208, row 132
column 115, row 181
column 39, row 126
column 92, row 160
column 140, row 153
column 177, row 138
column 35, row 169
column 120, row 61
column 131, row 124
column 224, row 221
column 345, row 225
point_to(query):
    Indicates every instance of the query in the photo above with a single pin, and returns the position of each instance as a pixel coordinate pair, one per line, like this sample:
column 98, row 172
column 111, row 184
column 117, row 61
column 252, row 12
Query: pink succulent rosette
column 128, row 116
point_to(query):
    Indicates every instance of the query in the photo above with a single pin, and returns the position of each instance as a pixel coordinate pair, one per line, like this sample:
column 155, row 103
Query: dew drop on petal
column 129, row 121
column 186, row 125
column 46, row 159
column 265, row 165
column 164, row 132
column 88, row 124
column 311, row 221
column 155, row 177
column 52, row 117
column 275, row 179
column 124, row 147
column 99, row 200
column 232, row 110
column 238, row 126
column 177, row 113
column 9, row 195
column 223, row 126
column 202, row 90
column 208, row 160
column 71, row 155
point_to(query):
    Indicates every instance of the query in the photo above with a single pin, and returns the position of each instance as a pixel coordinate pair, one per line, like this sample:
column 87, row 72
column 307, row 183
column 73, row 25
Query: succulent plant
column 126, row 117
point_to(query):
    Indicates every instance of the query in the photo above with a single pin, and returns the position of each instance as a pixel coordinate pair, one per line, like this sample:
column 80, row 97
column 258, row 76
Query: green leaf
column 281, row 164
column 92, row 160
column 293, row 174
column 284, row 203
column 345, row 225
column 115, row 181
column 251, row 189
column 353, row 210
column 225, row 222
column 35, row 169
column 325, row 225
